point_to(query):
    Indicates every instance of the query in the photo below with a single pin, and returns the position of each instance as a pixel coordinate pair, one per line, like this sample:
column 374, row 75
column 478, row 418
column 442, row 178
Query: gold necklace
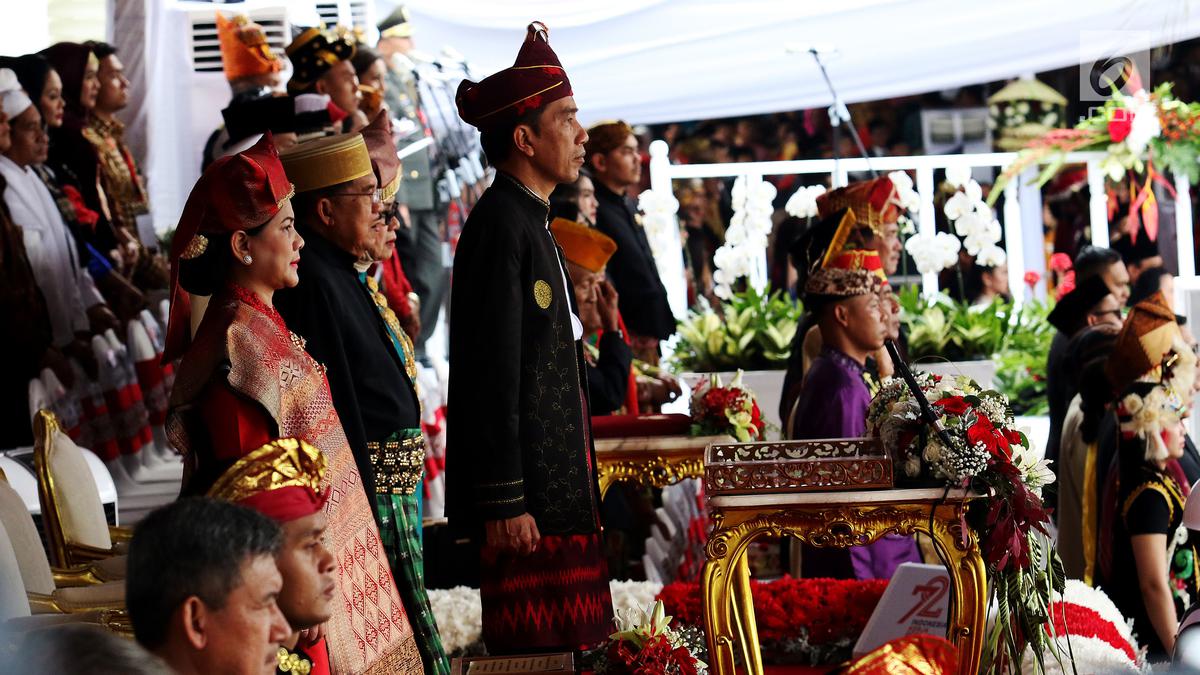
column 292, row 663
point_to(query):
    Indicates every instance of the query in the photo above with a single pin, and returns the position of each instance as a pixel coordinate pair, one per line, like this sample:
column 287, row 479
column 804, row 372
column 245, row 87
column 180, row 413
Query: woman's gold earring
column 247, row 259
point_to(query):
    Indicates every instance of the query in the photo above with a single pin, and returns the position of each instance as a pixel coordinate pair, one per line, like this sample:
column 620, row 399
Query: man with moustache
column 520, row 461
column 348, row 327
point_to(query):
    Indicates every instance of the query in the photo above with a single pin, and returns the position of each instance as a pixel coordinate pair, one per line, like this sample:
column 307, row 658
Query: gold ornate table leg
column 747, row 626
column 728, row 603
column 605, row 479
column 968, row 601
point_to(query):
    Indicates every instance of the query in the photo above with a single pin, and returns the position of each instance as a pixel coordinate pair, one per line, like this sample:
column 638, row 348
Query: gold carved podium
column 653, row 461
column 773, row 491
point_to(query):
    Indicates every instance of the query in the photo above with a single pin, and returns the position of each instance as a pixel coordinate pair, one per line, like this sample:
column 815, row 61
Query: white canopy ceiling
column 666, row 60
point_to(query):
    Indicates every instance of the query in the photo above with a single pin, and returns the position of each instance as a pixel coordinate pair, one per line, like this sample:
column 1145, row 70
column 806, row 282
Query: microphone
column 814, row 48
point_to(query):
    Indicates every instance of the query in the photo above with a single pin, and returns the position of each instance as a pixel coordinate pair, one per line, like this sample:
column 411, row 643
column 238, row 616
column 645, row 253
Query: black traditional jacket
column 333, row 311
column 517, row 437
column 632, row 270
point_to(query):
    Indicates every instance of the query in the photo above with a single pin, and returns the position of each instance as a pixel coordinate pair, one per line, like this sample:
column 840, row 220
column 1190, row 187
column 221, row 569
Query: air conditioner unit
column 357, row 15
column 206, row 48
column 188, row 88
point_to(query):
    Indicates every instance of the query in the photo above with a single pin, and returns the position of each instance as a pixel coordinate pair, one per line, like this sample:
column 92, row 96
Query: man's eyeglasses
column 392, row 210
column 375, row 195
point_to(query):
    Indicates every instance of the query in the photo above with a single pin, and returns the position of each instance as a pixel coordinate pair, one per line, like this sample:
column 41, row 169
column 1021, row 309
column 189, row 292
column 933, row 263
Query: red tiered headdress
column 281, row 480
column 238, row 192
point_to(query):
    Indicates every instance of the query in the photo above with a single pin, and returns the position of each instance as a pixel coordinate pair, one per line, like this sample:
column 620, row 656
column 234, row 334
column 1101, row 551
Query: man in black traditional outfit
column 520, row 462
column 349, row 328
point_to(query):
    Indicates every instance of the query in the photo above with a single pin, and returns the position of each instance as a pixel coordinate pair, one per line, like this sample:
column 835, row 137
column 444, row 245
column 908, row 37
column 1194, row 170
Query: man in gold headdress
column 321, row 65
column 843, row 289
column 348, row 326
column 283, row 481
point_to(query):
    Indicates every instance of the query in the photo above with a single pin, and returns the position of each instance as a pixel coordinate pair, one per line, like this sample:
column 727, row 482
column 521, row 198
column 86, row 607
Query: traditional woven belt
column 398, row 465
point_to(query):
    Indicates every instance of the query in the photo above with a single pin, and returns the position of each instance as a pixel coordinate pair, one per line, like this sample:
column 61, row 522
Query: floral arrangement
column 732, row 410
column 983, row 451
column 752, row 331
column 1088, row 627
column 1134, row 131
column 746, row 237
column 459, row 615
column 646, row 643
column 658, row 220
column 800, row 621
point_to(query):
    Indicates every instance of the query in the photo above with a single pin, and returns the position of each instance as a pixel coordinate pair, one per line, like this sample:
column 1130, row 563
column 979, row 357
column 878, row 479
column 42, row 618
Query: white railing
column 1022, row 215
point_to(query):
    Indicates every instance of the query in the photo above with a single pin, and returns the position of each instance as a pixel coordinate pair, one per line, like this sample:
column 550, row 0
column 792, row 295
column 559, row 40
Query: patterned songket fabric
column 243, row 346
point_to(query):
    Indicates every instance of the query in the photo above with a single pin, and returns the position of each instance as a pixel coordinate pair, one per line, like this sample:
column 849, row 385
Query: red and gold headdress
column 838, row 265
column 244, row 48
column 536, row 79
column 238, row 192
column 874, row 202
column 281, row 480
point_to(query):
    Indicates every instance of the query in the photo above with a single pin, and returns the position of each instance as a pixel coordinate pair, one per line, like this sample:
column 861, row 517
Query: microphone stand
column 927, row 412
column 838, row 113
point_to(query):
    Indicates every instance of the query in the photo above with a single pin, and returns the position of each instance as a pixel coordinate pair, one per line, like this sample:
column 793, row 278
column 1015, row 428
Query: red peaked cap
column 536, row 79
column 287, row 503
column 238, row 192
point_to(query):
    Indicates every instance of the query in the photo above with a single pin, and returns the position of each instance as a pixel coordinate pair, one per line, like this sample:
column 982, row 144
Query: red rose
column 1032, row 278
column 953, row 405
column 1013, row 437
column 1119, row 125
column 1061, row 262
column 991, row 437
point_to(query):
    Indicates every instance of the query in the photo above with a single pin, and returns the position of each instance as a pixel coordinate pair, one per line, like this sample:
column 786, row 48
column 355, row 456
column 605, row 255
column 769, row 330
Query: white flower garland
column 1091, row 655
column 746, row 237
column 972, row 218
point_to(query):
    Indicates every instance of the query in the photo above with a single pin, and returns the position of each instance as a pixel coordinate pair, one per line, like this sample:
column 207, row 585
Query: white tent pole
column 1185, row 245
column 927, row 221
column 1014, row 234
column 1098, row 205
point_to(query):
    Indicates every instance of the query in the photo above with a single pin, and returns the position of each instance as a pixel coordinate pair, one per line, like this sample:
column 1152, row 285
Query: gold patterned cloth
column 122, row 188
column 909, row 655
column 251, row 348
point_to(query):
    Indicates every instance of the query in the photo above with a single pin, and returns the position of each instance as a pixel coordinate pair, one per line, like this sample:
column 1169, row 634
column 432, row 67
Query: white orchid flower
column 991, row 256
column 957, row 206
column 957, row 176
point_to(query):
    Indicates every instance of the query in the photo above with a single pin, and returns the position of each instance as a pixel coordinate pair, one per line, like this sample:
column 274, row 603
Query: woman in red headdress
column 245, row 380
